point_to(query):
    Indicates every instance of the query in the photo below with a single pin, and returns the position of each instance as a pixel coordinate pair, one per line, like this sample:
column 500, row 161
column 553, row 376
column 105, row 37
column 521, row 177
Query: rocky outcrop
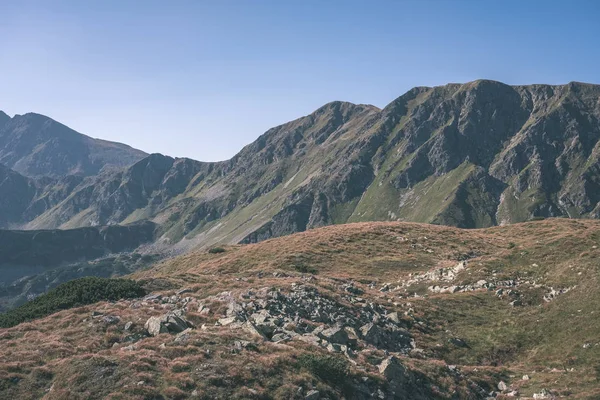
column 305, row 314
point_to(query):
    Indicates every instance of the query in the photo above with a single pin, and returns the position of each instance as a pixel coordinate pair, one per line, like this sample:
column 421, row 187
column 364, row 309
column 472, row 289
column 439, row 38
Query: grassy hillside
column 511, row 310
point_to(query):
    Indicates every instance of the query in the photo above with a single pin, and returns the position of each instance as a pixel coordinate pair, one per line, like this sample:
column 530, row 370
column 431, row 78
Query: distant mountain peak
column 36, row 145
column 4, row 118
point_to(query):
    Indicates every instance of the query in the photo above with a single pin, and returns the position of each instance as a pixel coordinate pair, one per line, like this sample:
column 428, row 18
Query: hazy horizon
column 202, row 80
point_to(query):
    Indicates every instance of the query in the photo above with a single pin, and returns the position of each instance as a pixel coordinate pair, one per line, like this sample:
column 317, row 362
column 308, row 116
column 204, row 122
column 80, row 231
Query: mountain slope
column 369, row 310
column 35, row 145
column 467, row 155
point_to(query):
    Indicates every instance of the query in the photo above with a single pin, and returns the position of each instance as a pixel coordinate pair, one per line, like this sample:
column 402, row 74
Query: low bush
column 331, row 369
column 216, row 250
column 71, row 294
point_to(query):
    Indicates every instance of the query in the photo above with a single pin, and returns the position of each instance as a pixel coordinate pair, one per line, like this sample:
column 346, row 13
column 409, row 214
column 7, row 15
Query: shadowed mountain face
column 469, row 155
column 32, row 262
column 35, row 145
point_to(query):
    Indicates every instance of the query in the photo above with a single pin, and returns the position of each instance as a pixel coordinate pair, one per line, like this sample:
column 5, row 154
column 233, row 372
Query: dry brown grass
column 70, row 355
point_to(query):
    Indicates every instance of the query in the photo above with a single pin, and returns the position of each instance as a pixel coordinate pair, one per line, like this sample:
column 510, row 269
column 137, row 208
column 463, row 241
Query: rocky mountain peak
column 4, row 118
column 35, row 145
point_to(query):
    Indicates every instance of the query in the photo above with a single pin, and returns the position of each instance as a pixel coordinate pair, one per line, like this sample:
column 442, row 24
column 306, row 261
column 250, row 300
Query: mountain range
column 468, row 155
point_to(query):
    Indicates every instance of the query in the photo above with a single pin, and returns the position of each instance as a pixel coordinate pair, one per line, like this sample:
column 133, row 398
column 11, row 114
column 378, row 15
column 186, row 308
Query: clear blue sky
column 201, row 79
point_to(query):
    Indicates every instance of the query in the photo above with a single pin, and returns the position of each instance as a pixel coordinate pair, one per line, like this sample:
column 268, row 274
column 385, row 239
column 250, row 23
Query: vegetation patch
column 330, row 369
column 75, row 293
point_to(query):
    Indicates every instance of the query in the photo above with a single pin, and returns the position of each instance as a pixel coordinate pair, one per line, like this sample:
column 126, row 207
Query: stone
column 392, row 369
column 152, row 298
column 544, row 394
column 175, row 323
column 525, row 377
column 309, row 338
column 128, row 326
column 502, row 386
column 154, row 326
column 394, row 317
column 111, row 319
column 280, row 337
column 228, row 320
column 312, row 395
column 251, row 329
column 458, row 342
column 183, row 336
column 172, row 322
column 335, row 335
column 203, row 310
column 371, row 333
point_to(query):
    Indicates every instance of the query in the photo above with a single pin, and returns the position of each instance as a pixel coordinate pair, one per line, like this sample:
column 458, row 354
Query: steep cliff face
column 469, row 155
column 35, row 145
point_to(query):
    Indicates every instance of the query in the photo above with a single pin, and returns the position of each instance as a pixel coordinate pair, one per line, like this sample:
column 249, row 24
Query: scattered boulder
column 312, row 395
column 155, row 326
column 228, row 320
column 458, row 342
column 183, row 336
column 251, row 329
column 394, row 317
column 335, row 335
column 111, row 319
column 171, row 322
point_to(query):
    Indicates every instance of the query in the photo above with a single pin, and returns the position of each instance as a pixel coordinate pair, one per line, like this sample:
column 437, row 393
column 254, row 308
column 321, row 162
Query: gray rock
column 392, row 369
column 228, row 320
column 175, row 323
column 251, row 329
column 280, row 337
column 458, row 342
column 312, row 395
column 335, row 335
column 394, row 317
column 111, row 319
column 155, row 326
column 171, row 322
column 183, row 336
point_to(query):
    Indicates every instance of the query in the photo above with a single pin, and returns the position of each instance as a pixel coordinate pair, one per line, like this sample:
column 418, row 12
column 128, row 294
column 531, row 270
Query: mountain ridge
column 470, row 155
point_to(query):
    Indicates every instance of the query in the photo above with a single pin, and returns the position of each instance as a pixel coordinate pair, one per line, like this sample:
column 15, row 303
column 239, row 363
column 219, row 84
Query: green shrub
column 331, row 369
column 71, row 294
column 216, row 250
